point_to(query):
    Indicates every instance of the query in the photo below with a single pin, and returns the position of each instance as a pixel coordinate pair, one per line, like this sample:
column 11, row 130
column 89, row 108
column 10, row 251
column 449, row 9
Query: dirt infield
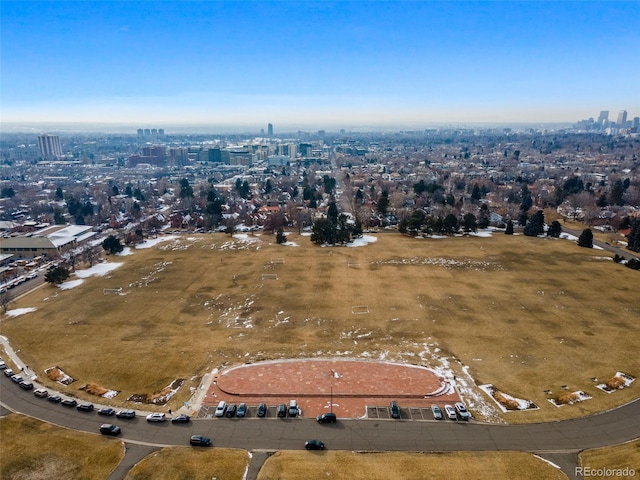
column 352, row 384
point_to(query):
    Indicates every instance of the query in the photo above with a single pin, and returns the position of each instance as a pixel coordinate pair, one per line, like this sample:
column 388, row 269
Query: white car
column 220, row 409
column 450, row 412
column 156, row 417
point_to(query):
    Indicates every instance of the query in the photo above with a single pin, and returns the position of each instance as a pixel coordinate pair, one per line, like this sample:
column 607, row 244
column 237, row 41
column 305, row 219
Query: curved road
column 564, row 437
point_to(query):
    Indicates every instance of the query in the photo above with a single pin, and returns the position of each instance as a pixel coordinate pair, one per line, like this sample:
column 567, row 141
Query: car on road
column 41, row 393
column 231, row 410
column 395, row 409
column 326, row 418
column 8, row 372
column 450, row 412
column 261, row 411
column 437, row 413
column 282, row 410
column 26, row 385
column 16, row 378
column 462, row 411
column 182, row 418
column 199, row 441
column 156, row 417
column 221, row 408
column 3, row 366
column 85, row 407
column 128, row 414
column 107, row 411
column 109, row 429
column 55, row 399
column 314, row 445
column 69, row 402
column 242, row 410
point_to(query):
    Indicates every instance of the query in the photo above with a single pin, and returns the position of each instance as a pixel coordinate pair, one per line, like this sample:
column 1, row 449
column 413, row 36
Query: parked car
column 55, row 399
column 450, row 412
column 282, row 410
column 326, row 418
column 314, row 445
column 261, row 411
column 3, row 366
column 107, row 411
column 221, row 408
column 69, row 402
column 41, row 393
column 437, row 413
column 85, row 407
column 293, row 408
column 242, row 410
column 182, row 418
column 199, row 441
column 395, row 409
column 8, row 372
column 16, row 378
column 231, row 410
column 156, row 417
column 128, row 414
column 109, row 429
column 26, row 385
column 463, row 413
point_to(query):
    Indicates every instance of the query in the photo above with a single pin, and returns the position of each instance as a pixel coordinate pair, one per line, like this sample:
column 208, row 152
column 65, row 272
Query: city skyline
column 317, row 64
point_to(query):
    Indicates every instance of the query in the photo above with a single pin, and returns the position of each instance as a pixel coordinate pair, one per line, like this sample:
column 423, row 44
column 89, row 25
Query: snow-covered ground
column 362, row 241
column 19, row 311
column 99, row 270
column 152, row 242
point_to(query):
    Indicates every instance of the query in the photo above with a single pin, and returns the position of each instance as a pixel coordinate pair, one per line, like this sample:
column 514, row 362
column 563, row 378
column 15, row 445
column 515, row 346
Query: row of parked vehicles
column 17, row 281
column 458, row 411
column 225, row 409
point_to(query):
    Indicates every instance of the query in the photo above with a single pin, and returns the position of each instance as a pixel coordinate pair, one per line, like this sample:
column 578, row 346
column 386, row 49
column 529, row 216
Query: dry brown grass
column 406, row 466
column 525, row 313
column 95, row 389
column 35, row 450
column 615, row 383
column 567, row 398
column 191, row 463
column 508, row 403
column 616, row 457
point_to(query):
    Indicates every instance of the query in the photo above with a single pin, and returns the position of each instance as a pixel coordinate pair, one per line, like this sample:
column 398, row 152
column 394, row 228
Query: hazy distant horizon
column 320, row 65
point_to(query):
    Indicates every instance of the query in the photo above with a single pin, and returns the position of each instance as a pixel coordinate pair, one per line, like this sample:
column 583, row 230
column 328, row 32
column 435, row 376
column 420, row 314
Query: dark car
column 69, row 402
column 182, row 418
column 242, row 410
column 282, row 410
column 395, row 410
column 128, row 414
column 107, row 411
column 199, row 441
column 314, row 445
column 55, row 398
column 326, row 418
column 26, row 385
column 262, row 410
column 85, row 407
column 109, row 429
column 231, row 410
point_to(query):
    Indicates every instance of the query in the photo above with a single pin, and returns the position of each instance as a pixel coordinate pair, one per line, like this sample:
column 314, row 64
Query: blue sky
column 318, row 64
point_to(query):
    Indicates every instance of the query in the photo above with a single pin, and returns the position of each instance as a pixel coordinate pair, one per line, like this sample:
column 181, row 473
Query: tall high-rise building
column 49, row 146
column 603, row 117
column 622, row 118
column 270, row 130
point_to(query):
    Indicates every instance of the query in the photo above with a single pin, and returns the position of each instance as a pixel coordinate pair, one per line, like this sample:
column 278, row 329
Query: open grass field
column 192, row 464
column 36, row 450
column 524, row 314
column 618, row 457
column 406, row 466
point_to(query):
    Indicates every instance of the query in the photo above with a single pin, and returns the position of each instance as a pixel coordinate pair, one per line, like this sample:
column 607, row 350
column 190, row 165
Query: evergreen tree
column 509, row 229
column 633, row 241
column 586, row 238
column 535, row 225
column 56, row 275
column 555, row 229
column 112, row 245
column 280, row 237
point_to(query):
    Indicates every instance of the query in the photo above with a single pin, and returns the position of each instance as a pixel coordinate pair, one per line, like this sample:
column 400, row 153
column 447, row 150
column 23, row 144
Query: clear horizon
column 329, row 65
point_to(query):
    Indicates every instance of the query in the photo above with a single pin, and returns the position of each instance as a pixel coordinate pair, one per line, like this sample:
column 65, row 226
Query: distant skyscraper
column 636, row 122
column 604, row 117
column 270, row 130
column 49, row 146
column 622, row 118
column 140, row 132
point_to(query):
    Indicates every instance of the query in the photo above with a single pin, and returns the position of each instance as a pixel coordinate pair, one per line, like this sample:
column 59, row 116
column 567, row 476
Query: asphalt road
column 609, row 428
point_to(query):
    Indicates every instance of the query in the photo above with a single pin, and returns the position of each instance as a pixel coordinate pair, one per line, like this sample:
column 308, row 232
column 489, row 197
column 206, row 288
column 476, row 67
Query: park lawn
column 404, row 466
column 525, row 314
column 192, row 463
column 33, row 449
column 625, row 456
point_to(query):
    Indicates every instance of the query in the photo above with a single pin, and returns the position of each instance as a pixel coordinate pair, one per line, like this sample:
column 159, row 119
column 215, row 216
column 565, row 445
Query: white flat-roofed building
column 49, row 242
